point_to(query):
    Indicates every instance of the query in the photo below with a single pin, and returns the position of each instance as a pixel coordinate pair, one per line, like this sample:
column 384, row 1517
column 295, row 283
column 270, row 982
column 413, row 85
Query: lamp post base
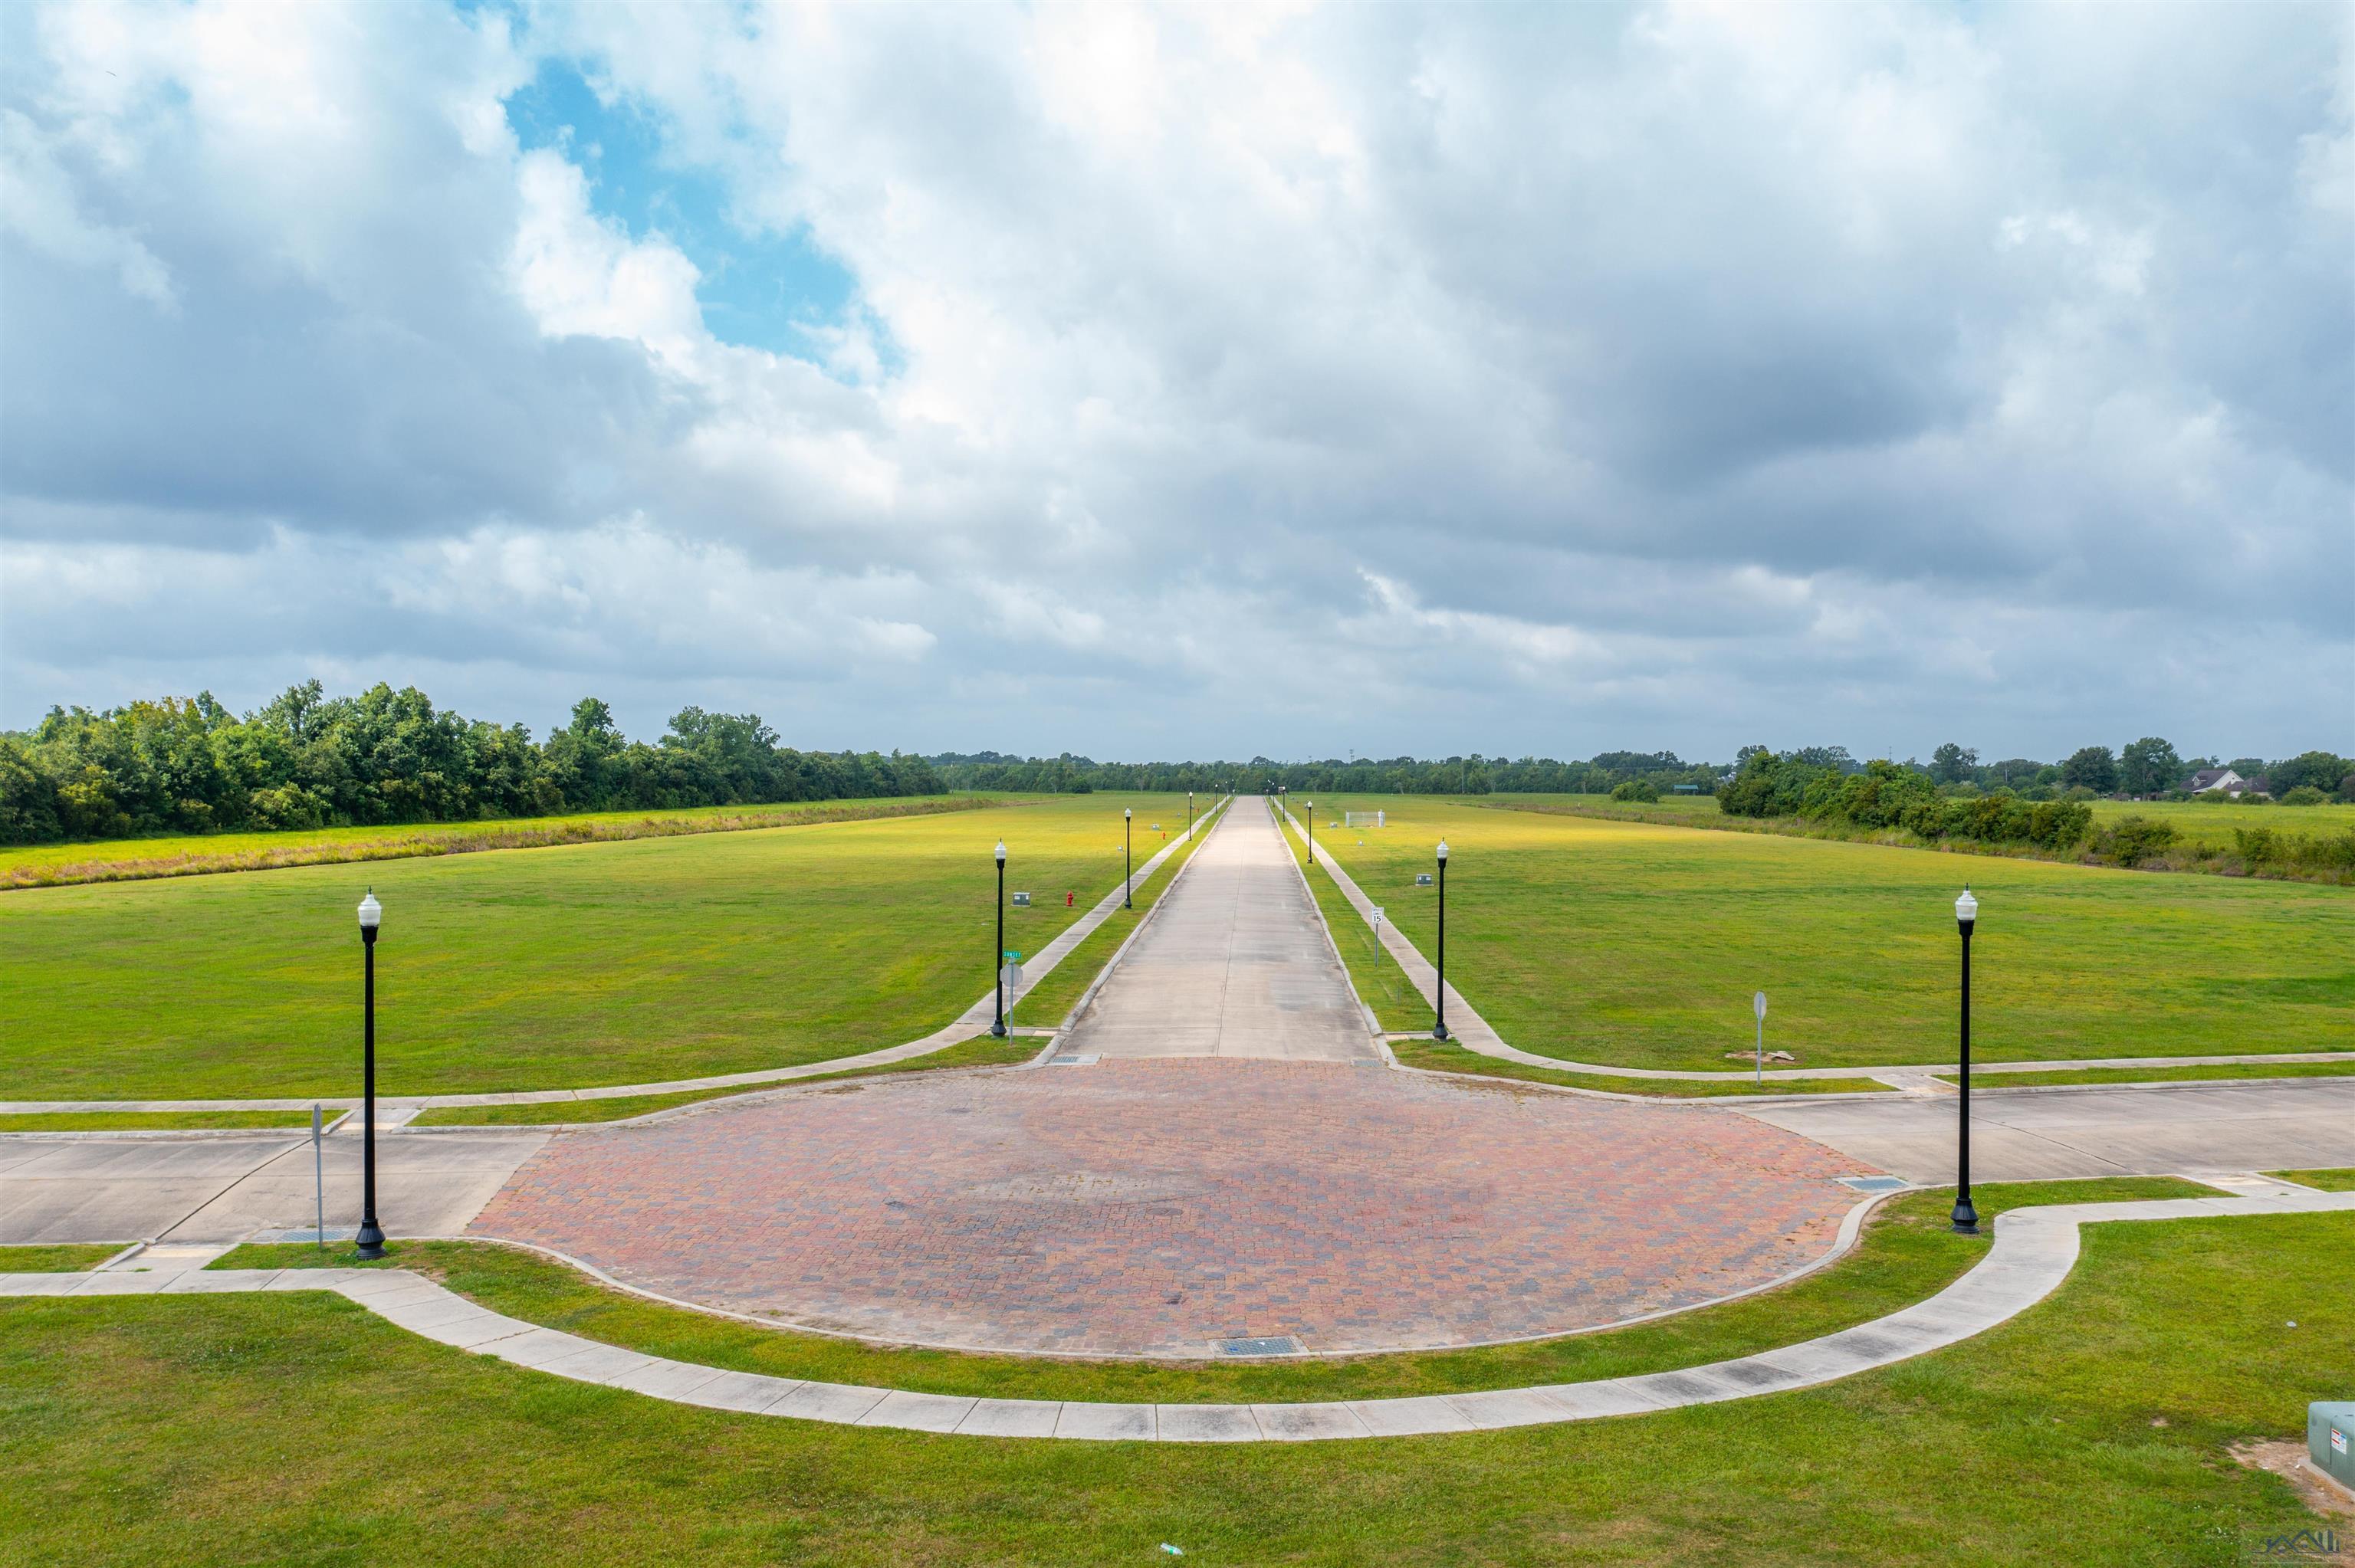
column 1438, row 1032
column 371, row 1240
column 997, row 1031
column 1966, row 1219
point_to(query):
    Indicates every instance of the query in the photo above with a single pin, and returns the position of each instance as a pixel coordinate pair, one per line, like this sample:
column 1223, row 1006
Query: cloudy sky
column 1203, row 381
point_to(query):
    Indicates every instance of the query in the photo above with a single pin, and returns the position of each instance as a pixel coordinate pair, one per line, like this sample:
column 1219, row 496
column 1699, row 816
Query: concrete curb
column 2034, row 1250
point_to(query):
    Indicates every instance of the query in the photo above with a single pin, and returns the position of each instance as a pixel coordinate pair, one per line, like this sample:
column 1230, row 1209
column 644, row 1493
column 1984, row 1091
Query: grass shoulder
column 1047, row 1003
column 982, row 1051
column 2321, row 1180
column 155, row 1121
column 1906, row 1254
column 2220, row 1072
column 1440, row 1057
column 54, row 1259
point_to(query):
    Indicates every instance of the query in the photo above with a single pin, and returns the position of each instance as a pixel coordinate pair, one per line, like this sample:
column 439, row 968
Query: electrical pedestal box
column 2330, row 1439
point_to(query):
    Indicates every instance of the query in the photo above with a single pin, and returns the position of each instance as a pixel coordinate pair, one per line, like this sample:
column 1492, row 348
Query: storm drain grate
column 1087, row 1061
column 1275, row 1345
column 1874, row 1183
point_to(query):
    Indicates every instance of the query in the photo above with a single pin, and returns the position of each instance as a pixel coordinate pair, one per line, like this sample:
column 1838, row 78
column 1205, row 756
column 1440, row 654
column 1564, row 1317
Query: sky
column 1212, row 381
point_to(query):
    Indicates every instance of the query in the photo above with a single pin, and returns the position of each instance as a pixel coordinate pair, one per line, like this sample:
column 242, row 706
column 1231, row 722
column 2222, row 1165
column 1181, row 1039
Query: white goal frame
column 1365, row 819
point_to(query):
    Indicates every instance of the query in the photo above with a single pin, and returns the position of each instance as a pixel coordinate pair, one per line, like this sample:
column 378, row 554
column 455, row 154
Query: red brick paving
column 1154, row 1207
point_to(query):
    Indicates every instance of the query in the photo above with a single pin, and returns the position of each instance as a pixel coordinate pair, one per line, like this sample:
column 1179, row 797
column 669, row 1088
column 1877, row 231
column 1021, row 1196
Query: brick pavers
column 1155, row 1207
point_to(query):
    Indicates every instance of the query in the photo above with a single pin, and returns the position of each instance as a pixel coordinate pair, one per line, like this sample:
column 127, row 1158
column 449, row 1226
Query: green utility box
column 2330, row 1436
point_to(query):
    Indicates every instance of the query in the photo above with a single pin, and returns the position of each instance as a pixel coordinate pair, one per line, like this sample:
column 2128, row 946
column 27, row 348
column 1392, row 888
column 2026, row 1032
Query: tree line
column 1472, row 775
column 308, row 760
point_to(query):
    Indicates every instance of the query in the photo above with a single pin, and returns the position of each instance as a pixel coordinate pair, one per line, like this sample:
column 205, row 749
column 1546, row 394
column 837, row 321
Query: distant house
column 2223, row 780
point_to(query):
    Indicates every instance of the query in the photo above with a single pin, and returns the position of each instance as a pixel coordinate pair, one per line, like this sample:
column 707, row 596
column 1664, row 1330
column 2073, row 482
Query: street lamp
column 371, row 1234
column 1189, row 813
column 1439, row 1020
column 1967, row 1219
column 1127, row 902
column 1312, row 830
column 998, row 1028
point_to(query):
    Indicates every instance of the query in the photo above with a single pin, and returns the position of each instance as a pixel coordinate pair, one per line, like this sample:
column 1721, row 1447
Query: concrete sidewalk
column 1234, row 962
column 226, row 1188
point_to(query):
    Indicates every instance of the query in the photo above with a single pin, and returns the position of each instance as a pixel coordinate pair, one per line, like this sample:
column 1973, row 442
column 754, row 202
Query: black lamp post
column 1128, row 882
column 1967, row 1219
column 371, row 1234
column 1189, row 813
column 1439, row 1018
column 998, row 968
column 1311, row 820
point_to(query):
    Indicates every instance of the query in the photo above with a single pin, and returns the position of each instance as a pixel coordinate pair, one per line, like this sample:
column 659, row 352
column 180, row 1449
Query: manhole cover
column 1874, row 1183
column 1276, row 1345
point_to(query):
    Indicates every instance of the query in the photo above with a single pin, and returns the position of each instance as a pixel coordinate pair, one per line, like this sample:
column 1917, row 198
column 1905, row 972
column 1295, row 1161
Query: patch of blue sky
column 758, row 287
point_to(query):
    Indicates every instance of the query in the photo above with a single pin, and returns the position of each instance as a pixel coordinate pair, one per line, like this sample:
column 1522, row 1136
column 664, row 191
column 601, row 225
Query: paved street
column 1233, row 963
column 224, row 1189
column 2020, row 1136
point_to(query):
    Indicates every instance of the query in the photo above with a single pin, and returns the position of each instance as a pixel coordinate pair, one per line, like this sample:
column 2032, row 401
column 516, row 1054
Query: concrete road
column 1235, row 962
column 2026, row 1135
column 226, row 1188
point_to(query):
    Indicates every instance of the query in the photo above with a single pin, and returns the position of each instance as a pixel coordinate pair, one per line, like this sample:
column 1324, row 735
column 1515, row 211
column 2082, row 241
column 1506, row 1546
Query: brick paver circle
column 1159, row 1207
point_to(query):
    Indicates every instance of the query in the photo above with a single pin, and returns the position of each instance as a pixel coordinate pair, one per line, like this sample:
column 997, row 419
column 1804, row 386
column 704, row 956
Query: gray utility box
column 2330, row 1436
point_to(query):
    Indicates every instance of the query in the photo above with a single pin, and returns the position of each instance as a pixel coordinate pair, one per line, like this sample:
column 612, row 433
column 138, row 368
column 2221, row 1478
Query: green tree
column 2094, row 767
column 1952, row 764
column 2149, row 765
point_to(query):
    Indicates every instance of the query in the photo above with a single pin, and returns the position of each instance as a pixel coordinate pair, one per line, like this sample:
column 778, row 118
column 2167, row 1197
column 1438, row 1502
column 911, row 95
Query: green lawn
column 2091, row 1430
column 1453, row 1058
column 1639, row 945
column 560, row 967
column 192, row 854
column 152, row 1121
column 2328, row 1180
column 54, row 1259
column 2157, row 1075
column 983, row 1051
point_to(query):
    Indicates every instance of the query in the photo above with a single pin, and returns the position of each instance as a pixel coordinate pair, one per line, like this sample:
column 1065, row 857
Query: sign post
column 1758, row 1006
column 318, row 1179
column 1378, row 925
column 1012, row 976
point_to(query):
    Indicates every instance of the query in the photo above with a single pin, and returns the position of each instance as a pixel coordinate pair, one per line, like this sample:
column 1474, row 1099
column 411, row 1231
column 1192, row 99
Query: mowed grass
column 153, row 1121
column 2327, row 1181
column 1051, row 1000
column 986, row 1051
column 54, row 1259
column 1436, row 1056
column 557, row 968
column 2222, row 1071
column 1636, row 945
column 2092, row 1429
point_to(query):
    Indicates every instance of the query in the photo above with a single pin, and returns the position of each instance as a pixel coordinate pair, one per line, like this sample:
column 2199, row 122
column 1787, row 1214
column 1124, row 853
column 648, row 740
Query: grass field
column 984, row 1051
column 560, row 967
column 193, row 854
column 2198, row 822
column 1637, row 944
column 2091, row 1430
